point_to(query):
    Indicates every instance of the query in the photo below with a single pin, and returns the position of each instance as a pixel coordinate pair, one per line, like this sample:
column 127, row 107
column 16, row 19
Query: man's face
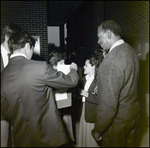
column 103, row 39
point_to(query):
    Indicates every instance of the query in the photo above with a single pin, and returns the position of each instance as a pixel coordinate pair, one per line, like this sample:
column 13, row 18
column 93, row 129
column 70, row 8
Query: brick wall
column 133, row 16
column 30, row 15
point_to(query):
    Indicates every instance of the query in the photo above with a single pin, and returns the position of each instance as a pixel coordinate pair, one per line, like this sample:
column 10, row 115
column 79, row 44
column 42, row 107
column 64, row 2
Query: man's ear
column 109, row 34
column 27, row 46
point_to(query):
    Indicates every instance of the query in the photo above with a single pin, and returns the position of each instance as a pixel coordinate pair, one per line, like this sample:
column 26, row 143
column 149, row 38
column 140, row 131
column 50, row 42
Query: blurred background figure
column 58, row 58
column 6, row 33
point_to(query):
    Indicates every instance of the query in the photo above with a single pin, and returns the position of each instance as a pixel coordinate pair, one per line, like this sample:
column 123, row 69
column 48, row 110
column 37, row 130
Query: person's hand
column 96, row 135
column 84, row 93
column 74, row 66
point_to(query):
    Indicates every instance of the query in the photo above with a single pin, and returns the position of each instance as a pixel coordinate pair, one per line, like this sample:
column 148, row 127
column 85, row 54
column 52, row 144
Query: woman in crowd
column 88, row 93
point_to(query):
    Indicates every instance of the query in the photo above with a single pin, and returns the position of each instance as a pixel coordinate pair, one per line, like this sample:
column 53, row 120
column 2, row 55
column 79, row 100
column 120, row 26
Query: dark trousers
column 120, row 135
column 9, row 144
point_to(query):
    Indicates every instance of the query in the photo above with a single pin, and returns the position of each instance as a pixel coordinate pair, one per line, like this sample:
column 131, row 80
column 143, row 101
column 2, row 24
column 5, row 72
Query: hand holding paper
column 64, row 68
column 74, row 66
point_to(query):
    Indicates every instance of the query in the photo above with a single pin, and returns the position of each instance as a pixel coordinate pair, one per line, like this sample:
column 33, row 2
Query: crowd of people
column 109, row 109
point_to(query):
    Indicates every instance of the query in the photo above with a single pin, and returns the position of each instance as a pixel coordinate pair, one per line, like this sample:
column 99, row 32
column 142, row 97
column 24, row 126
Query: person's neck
column 20, row 51
column 90, row 74
column 5, row 45
column 117, row 38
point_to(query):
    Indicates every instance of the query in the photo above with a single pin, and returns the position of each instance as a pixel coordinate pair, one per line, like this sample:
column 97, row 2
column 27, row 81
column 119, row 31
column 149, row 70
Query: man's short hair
column 112, row 26
column 19, row 40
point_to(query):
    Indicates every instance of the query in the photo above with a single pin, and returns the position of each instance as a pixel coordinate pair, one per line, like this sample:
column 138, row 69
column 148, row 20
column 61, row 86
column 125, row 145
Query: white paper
column 64, row 68
column 60, row 95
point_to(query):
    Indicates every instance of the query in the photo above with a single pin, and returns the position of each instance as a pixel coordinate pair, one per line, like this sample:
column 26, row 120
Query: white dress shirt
column 89, row 80
column 5, row 57
column 119, row 42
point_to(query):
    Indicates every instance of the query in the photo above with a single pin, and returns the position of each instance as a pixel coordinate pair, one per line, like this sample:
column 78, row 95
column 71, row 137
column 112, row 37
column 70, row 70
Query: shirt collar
column 119, row 42
column 4, row 51
column 89, row 78
column 18, row 54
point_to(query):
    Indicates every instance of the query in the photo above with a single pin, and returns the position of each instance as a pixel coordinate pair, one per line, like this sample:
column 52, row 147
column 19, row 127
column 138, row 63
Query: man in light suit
column 7, row 31
column 118, row 106
column 27, row 99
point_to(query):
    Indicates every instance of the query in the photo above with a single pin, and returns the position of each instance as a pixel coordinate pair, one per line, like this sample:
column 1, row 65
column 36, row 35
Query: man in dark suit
column 118, row 106
column 27, row 99
column 7, row 31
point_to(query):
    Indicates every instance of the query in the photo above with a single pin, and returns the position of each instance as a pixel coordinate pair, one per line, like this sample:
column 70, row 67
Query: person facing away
column 57, row 58
column 118, row 106
column 7, row 31
column 88, row 93
column 27, row 99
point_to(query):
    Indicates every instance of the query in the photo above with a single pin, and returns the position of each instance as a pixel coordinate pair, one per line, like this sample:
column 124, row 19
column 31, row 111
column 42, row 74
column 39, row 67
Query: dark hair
column 19, row 39
column 56, row 56
column 93, row 60
column 99, row 54
column 112, row 26
column 96, row 59
column 9, row 30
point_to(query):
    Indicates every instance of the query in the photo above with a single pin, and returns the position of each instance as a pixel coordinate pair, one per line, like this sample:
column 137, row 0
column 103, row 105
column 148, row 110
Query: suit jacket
column 27, row 100
column 117, row 89
column 90, row 103
column 2, row 64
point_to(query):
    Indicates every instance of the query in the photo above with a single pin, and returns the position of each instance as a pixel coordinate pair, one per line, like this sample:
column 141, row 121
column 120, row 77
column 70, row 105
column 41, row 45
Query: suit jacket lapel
column 92, row 86
column 2, row 64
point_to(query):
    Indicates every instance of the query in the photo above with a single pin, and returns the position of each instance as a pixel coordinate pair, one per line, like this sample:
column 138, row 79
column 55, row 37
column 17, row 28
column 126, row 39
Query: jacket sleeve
column 5, row 111
column 59, row 80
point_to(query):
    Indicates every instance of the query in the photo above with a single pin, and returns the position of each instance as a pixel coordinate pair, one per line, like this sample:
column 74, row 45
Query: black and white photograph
column 74, row 73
